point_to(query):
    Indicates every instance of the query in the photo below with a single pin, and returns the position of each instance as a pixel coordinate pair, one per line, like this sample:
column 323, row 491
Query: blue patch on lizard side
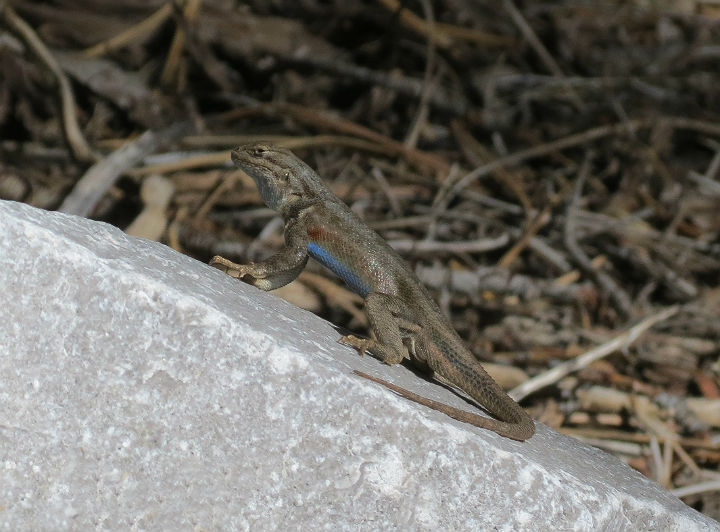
column 352, row 279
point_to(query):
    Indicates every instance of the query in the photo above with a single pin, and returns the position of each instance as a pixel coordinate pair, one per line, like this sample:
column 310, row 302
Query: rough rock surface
column 143, row 390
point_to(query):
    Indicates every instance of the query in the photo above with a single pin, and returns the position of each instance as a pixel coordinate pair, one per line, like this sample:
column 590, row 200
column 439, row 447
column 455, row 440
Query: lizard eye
column 257, row 152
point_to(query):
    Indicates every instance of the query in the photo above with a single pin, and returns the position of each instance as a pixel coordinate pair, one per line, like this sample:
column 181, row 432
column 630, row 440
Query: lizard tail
column 512, row 421
column 516, row 423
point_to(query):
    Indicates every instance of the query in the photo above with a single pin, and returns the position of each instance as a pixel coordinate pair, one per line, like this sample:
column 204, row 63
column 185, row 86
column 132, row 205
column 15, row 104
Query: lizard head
column 282, row 179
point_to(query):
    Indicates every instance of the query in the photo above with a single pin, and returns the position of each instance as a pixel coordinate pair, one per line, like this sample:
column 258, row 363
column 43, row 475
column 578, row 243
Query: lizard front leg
column 390, row 323
column 278, row 270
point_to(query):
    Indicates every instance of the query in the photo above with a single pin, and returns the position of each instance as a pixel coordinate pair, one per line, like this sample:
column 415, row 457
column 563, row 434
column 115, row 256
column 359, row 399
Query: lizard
column 404, row 320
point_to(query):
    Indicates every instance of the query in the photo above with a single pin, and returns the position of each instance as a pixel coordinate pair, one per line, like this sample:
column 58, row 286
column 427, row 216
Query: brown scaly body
column 404, row 318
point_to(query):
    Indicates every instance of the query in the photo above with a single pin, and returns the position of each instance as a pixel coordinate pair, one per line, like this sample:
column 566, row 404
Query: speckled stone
column 143, row 390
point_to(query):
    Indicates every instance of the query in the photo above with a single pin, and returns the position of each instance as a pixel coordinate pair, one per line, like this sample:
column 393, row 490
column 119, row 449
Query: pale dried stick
column 446, row 33
column 451, row 189
column 169, row 73
column 428, row 85
column 103, row 174
column 542, row 52
column 79, row 146
column 618, row 296
column 132, row 33
column 619, row 342
column 694, row 489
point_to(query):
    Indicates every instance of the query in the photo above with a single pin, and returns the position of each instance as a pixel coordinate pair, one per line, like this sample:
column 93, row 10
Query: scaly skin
column 404, row 318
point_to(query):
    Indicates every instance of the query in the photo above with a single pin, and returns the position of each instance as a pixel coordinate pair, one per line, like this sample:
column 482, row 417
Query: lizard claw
column 238, row 271
column 361, row 344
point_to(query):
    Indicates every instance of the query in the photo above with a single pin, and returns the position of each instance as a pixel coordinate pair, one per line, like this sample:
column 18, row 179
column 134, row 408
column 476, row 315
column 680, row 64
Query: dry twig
column 101, row 176
column 621, row 341
column 79, row 146
column 612, row 291
column 170, row 71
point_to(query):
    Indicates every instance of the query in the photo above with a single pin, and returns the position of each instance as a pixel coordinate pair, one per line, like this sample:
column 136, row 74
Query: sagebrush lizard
column 404, row 319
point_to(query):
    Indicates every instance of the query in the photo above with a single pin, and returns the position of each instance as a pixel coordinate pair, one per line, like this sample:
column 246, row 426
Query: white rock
column 143, row 390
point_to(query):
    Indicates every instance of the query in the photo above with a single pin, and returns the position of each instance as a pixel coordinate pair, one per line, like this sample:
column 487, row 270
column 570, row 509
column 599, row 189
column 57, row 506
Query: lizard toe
column 361, row 344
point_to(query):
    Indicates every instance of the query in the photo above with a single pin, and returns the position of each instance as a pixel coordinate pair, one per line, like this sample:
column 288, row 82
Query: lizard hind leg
column 390, row 326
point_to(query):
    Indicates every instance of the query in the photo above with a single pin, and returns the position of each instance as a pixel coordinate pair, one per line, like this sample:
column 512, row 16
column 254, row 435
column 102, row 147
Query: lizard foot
column 361, row 344
column 232, row 269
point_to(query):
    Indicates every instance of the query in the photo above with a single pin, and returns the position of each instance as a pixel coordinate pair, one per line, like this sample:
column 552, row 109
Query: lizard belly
column 339, row 268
